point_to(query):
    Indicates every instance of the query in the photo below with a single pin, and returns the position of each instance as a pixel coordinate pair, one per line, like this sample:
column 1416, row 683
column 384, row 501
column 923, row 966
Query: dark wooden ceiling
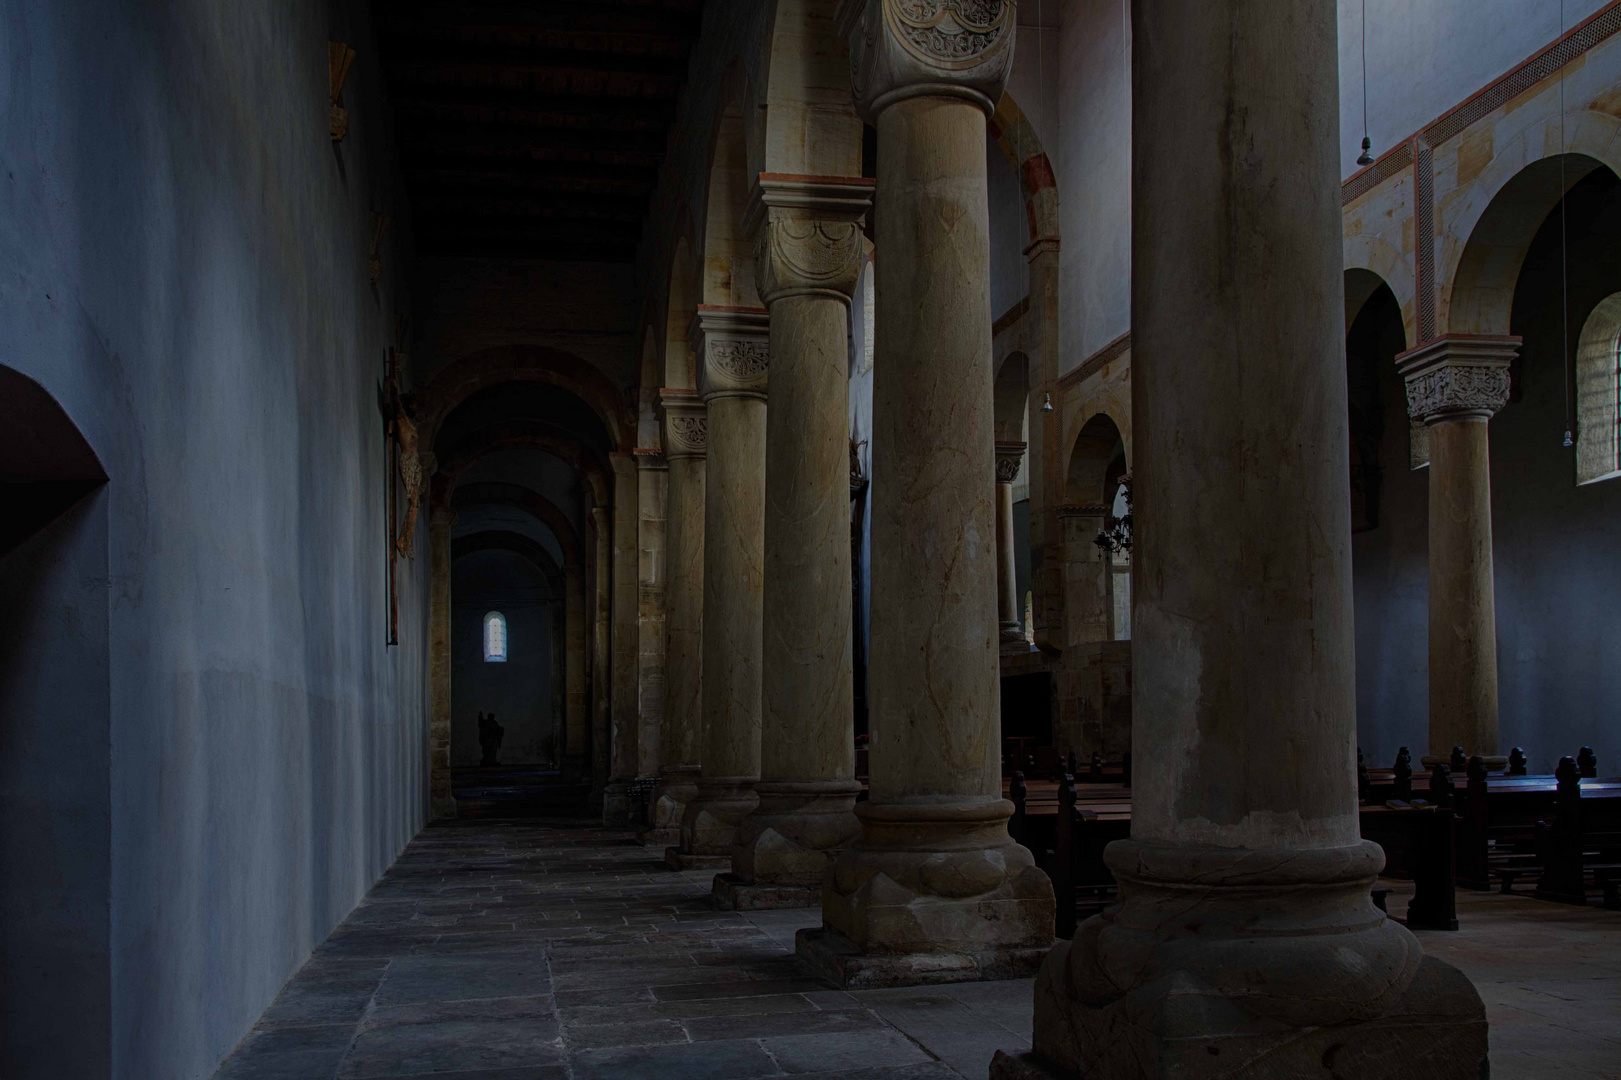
column 533, row 128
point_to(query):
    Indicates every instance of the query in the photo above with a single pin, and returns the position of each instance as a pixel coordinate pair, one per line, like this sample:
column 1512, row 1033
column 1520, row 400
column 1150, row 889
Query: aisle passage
column 536, row 950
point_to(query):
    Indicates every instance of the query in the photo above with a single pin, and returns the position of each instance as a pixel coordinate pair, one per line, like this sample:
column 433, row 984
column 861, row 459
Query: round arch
column 681, row 307
column 536, row 505
column 1500, row 211
column 1022, row 147
column 727, row 261
column 1011, row 396
column 1370, row 263
column 1093, row 458
column 462, row 379
column 516, row 543
column 521, row 433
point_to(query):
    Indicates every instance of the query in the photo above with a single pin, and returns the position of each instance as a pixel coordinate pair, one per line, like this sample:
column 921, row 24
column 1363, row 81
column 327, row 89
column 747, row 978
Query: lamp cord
column 1565, row 359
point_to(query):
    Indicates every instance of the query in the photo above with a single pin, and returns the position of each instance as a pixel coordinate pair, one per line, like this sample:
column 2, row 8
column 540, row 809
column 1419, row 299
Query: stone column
column 1088, row 577
column 576, row 707
column 601, row 632
column 732, row 346
column 1047, row 464
column 440, row 519
column 1454, row 386
column 1244, row 942
column 652, row 477
column 1008, row 602
column 622, row 646
column 808, row 254
column 681, row 736
column 934, row 889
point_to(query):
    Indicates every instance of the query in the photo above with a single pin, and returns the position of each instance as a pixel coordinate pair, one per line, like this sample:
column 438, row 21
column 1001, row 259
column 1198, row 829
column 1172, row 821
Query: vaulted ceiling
column 534, row 128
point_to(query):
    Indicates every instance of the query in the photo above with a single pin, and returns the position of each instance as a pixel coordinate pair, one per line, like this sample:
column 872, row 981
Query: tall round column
column 686, row 440
column 1244, row 941
column 1454, row 387
column 1008, row 606
column 601, row 630
column 934, row 888
column 733, row 346
column 809, row 250
column 440, row 519
column 623, row 645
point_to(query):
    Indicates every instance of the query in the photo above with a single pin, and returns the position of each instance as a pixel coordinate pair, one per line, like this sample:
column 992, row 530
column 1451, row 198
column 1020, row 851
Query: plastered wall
column 184, row 258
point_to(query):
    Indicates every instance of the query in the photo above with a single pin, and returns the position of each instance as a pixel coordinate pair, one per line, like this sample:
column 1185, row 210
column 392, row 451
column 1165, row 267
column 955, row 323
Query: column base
column 660, row 838
column 678, row 786
column 930, row 889
column 1241, row 963
column 710, row 822
column 840, row 961
column 732, row 893
column 794, row 834
column 1179, row 1027
column 616, row 808
column 676, row 859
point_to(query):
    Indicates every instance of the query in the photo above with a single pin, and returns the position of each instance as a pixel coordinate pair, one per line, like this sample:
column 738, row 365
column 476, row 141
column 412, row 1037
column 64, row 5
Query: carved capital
column 1457, row 377
column 1009, row 455
column 807, row 234
column 734, row 351
column 686, row 424
column 912, row 48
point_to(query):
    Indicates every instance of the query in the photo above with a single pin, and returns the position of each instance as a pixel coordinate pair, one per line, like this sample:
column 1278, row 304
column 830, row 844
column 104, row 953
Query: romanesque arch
column 525, row 363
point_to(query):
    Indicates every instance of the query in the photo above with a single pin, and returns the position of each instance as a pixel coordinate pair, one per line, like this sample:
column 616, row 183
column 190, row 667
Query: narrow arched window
column 1598, row 394
column 495, row 638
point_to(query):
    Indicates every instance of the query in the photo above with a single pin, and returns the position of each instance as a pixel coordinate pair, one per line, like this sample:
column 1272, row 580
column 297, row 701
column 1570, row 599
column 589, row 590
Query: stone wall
column 185, row 253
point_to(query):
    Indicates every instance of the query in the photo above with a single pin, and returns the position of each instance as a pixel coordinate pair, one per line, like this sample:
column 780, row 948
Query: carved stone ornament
column 1009, row 456
column 910, row 48
column 1457, row 378
column 686, row 425
column 798, row 256
column 734, row 347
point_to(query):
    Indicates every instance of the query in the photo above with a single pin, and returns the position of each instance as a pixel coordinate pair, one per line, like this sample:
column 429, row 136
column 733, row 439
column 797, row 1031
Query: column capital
column 1458, row 377
column 734, row 350
column 937, row 48
column 1040, row 246
column 807, row 234
column 686, row 424
column 649, row 458
column 1009, row 455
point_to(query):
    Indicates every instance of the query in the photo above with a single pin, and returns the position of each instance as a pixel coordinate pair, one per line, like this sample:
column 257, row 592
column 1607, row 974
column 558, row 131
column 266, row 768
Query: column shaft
column 652, row 477
column 601, row 633
column 1454, row 386
column 681, row 742
column 1244, row 885
column 577, row 708
column 440, row 519
column 1047, row 467
column 622, row 651
column 734, row 356
column 1009, row 604
column 934, row 884
column 809, row 250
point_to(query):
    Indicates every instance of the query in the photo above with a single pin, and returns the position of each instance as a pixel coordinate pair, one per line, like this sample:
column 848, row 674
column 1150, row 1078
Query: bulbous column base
column 616, row 808
column 709, row 824
column 931, row 893
column 678, row 787
column 784, row 848
column 1233, row 963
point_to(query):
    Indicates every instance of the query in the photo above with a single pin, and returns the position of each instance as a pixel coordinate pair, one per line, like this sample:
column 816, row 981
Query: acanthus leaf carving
column 1457, row 390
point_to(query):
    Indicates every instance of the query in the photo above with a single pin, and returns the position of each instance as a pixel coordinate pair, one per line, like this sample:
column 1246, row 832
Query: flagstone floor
column 541, row 949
